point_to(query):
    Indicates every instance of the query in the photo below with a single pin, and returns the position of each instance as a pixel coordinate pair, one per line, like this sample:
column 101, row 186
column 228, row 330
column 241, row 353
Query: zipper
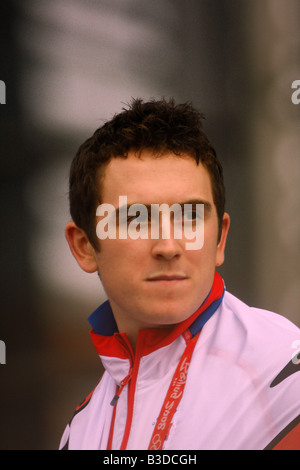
column 123, row 383
column 129, row 380
column 130, row 402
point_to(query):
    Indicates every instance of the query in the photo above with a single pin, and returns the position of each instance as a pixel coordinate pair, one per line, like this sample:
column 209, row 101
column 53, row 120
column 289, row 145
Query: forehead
column 149, row 179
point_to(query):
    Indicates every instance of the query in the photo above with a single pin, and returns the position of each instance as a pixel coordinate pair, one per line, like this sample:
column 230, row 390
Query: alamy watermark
column 296, row 94
column 153, row 221
column 2, row 352
column 2, row 92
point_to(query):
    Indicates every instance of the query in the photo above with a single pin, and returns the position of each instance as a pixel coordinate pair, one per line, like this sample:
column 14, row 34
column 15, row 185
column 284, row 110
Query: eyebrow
column 193, row 202
column 207, row 205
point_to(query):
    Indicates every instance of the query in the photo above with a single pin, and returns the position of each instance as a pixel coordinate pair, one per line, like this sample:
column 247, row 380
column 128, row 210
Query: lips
column 167, row 277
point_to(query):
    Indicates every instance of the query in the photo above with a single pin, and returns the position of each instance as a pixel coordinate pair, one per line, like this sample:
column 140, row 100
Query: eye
column 140, row 217
column 193, row 212
column 190, row 215
column 138, row 213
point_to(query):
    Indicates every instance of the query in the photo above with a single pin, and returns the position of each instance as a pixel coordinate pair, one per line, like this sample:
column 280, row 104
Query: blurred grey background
column 68, row 65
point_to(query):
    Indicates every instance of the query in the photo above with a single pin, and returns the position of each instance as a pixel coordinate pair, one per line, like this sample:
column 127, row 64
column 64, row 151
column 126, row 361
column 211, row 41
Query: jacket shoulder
column 253, row 317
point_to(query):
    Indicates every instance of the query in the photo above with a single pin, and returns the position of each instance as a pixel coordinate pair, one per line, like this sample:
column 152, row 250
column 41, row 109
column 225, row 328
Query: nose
column 167, row 249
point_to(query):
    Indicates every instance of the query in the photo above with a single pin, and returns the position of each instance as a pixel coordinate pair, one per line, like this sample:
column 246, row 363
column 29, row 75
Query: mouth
column 167, row 278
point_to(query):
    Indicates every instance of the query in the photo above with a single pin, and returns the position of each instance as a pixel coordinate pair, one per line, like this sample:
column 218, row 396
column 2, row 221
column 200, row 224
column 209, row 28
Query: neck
column 132, row 331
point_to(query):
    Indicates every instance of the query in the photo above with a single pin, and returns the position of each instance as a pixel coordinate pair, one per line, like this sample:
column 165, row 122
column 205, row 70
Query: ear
column 220, row 256
column 81, row 248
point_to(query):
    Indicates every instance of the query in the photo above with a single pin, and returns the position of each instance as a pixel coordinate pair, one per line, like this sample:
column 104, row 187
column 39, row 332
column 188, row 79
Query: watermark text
column 154, row 221
column 2, row 352
column 296, row 94
column 2, row 92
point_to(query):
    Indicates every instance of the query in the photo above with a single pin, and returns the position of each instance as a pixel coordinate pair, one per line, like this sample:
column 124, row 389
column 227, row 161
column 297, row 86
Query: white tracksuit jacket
column 242, row 390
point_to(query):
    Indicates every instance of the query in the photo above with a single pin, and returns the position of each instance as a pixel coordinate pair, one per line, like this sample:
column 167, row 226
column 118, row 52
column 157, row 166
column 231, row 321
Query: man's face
column 158, row 282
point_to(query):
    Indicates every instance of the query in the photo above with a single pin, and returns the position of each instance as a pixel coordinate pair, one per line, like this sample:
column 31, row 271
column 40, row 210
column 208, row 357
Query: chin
column 170, row 316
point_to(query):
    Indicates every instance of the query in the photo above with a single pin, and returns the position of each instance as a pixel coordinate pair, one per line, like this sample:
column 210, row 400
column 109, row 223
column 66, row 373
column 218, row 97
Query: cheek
column 204, row 260
column 108, row 260
column 120, row 258
column 211, row 237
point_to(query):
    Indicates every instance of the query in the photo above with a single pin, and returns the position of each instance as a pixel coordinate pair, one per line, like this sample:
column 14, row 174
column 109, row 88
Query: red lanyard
column 173, row 397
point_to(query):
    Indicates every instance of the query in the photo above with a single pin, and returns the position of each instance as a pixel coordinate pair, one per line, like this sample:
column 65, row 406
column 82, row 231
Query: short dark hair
column 158, row 125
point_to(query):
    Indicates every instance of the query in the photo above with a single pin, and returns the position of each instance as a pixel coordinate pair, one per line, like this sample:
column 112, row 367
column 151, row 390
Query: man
column 187, row 364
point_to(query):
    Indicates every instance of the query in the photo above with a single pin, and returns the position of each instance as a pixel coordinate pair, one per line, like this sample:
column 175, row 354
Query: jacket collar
column 109, row 342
